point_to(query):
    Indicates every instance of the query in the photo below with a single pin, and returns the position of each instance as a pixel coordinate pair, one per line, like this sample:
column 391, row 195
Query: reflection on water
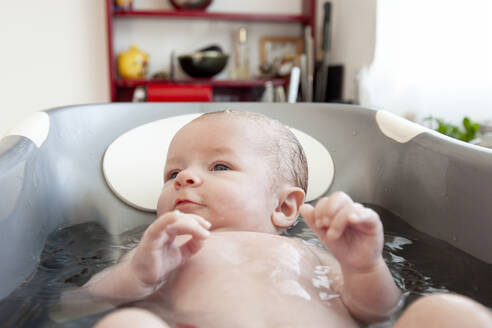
column 70, row 257
column 420, row 265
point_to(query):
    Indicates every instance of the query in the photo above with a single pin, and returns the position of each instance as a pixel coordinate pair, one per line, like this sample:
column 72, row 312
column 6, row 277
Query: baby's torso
column 247, row 279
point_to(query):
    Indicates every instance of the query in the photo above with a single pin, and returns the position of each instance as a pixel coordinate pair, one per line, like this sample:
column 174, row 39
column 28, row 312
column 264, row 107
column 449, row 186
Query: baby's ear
column 287, row 211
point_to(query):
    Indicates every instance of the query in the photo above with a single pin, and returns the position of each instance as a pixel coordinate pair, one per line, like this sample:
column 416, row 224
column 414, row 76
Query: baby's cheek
column 234, row 203
column 163, row 205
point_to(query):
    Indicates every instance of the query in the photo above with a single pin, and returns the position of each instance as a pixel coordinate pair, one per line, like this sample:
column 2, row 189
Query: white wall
column 353, row 38
column 437, row 67
column 54, row 52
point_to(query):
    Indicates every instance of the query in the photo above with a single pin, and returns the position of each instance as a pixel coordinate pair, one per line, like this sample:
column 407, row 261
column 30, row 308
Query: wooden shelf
column 197, row 14
column 260, row 82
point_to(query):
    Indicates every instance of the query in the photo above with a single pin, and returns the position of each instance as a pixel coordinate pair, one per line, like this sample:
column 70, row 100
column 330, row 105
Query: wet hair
column 280, row 144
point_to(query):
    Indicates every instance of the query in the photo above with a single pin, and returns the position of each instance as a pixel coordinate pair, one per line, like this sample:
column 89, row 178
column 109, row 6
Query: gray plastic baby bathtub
column 438, row 185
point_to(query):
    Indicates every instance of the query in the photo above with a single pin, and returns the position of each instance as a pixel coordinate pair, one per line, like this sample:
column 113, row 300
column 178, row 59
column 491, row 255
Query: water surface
column 419, row 263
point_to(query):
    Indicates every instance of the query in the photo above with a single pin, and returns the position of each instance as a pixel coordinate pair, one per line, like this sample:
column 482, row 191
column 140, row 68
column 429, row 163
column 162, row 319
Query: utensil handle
column 326, row 27
column 294, row 84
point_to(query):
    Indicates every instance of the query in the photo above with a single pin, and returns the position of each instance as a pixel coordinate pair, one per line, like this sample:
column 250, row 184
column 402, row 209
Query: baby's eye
column 220, row 167
column 172, row 175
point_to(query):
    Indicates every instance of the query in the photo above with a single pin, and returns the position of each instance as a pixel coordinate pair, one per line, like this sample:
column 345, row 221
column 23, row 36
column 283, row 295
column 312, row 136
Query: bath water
column 419, row 263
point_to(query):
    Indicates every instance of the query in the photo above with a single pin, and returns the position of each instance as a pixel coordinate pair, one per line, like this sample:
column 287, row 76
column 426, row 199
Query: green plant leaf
column 467, row 133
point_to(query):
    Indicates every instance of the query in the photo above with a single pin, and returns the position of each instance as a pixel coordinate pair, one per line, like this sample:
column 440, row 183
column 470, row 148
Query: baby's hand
column 352, row 232
column 158, row 254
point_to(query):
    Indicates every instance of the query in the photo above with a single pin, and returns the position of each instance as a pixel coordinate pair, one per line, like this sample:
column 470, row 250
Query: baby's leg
column 131, row 317
column 445, row 310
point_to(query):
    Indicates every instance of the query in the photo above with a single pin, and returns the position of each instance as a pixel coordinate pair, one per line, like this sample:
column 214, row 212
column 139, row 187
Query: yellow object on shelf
column 123, row 4
column 133, row 63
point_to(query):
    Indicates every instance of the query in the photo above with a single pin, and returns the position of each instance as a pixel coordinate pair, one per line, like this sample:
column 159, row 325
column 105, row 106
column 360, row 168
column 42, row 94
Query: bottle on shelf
column 241, row 55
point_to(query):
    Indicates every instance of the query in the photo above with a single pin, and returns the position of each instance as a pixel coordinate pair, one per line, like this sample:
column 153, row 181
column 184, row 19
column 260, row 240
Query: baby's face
column 216, row 169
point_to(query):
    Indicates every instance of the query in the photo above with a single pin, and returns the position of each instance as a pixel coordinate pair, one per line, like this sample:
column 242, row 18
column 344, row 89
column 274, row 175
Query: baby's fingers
column 204, row 223
column 309, row 215
column 328, row 208
column 187, row 226
column 191, row 247
column 307, row 212
column 366, row 220
column 155, row 236
column 167, row 226
column 341, row 220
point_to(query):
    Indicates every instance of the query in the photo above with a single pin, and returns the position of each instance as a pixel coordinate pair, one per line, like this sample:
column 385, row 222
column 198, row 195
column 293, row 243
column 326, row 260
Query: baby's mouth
column 185, row 205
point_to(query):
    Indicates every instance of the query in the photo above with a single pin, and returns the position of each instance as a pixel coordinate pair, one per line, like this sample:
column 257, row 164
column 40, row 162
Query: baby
column 214, row 258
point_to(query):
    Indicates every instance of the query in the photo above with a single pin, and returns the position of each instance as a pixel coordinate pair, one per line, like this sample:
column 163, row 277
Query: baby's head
column 276, row 143
column 239, row 170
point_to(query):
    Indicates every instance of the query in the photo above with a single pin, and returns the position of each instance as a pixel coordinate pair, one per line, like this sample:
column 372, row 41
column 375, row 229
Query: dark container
column 203, row 64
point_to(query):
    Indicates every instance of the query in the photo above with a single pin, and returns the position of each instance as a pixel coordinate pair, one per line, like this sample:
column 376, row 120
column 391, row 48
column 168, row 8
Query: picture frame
column 272, row 48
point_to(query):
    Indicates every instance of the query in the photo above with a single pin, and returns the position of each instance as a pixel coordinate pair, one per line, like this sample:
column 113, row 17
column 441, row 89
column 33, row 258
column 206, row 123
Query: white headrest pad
column 133, row 164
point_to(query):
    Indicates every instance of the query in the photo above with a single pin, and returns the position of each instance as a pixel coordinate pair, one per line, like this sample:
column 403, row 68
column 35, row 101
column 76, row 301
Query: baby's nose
column 188, row 178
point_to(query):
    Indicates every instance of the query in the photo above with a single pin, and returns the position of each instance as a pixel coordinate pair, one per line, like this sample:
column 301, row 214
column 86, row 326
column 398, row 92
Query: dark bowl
column 190, row 4
column 203, row 64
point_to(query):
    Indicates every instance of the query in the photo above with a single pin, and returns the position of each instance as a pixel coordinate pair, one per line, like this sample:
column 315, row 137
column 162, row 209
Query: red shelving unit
column 190, row 14
column 122, row 90
column 214, row 83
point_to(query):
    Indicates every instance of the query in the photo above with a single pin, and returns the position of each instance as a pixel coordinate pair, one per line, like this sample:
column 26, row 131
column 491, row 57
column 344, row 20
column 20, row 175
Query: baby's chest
column 242, row 269
column 243, row 278
column 251, row 254
column 257, row 294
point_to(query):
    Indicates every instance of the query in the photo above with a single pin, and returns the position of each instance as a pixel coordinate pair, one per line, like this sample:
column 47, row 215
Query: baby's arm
column 144, row 269
column 354, row 235
column 147, row 266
